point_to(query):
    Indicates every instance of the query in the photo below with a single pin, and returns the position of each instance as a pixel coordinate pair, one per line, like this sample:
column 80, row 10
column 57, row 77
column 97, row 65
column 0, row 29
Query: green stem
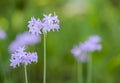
column 80, row 78
column 44, row 75
column 26, row 80
column 89, row 76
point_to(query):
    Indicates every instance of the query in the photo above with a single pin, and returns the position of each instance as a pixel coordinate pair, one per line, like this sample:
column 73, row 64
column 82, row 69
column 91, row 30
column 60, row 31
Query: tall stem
column 89, row 76
column 26, row 80
column 44, row 75
column 79, row 73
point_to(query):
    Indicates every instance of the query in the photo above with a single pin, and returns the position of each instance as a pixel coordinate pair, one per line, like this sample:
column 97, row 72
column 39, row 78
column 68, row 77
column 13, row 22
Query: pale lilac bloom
column 48, row 23
column 35, row 26
column 94, row 39
column 92, row 44
column 79, row 54
column 14, row 45
column 2, row 34
column 21, row 56
column 90, row 47
column 24, row 39
column 28, row 39
column 81, row 51
column 76, row 50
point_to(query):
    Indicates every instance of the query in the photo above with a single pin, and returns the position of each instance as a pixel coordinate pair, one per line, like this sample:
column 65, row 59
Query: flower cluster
column 24, row 39
column 2, row 34
column 20, row 56
column 79, row 54
column 91, row 45
column 49, row 22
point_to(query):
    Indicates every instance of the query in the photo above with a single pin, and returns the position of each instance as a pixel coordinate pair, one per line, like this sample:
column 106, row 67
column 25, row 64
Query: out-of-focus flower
column 24, row 39
column 94, row 39
column 2, row 34
column 76, row 50
column 79, row 54
column 92, row 44
column 81, row 51
column 20, row 56
column 48, row 23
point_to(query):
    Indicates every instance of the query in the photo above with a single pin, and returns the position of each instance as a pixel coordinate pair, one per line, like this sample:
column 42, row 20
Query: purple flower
column 2, row 34
column 35, row 26
column 24, row 39
column 48, row 23
column 81, row 51
column 92, row 44
column 20, row 56
column 76, row 50
column 94, row 39
column 79, row 54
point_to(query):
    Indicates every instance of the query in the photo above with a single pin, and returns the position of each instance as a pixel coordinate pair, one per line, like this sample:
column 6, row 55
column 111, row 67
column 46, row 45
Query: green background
column 79, row 19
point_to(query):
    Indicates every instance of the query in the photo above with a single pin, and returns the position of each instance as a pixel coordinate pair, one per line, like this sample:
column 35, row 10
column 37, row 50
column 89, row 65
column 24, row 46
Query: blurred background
column 79, row 19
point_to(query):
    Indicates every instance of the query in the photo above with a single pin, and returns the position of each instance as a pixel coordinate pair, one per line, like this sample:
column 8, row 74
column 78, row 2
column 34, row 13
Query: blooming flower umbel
column 35, row 26
column 24, row 39
column 2, row 34
column 21, row 56
column 91, row 45
column 48, row 23
column 79, row 54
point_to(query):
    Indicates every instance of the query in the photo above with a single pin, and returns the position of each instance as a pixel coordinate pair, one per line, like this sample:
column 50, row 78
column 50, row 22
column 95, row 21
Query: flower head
column 2, row 34
column 21, row 56
column 94, row 39
column 48, row 23
column 24, row 39
column 35, row 26
column 92, row 44
column 79, row 54
column 81, row 51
